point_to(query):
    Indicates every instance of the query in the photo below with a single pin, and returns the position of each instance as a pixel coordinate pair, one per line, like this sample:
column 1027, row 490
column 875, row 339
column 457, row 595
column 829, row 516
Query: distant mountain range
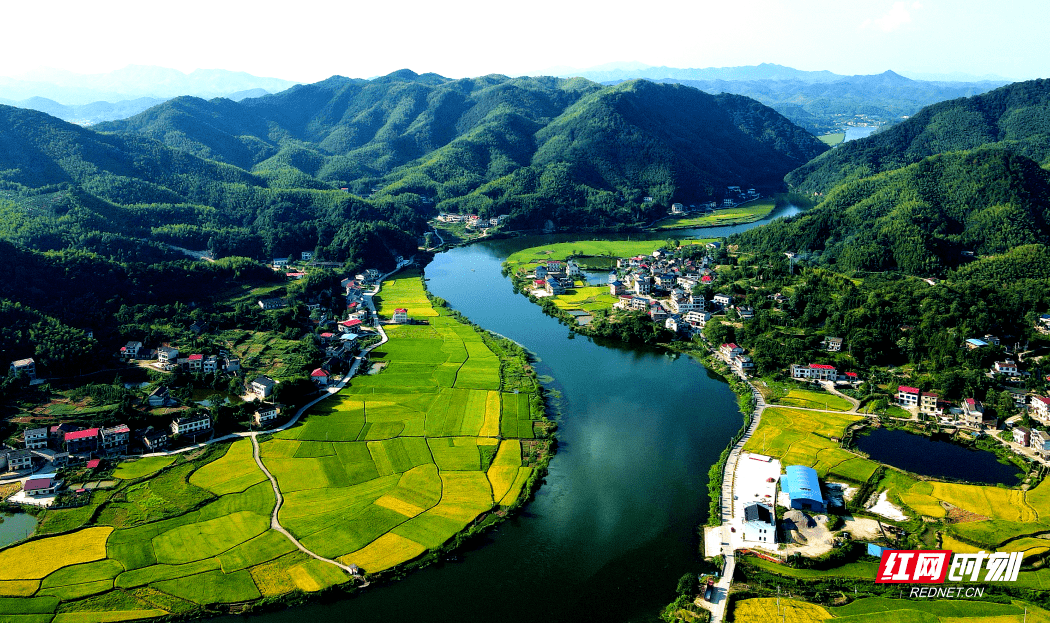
column 819, row 101
column 764, row 71
column 92, row 98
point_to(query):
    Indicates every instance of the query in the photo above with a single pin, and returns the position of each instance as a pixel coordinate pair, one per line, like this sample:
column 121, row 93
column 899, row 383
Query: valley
column 704, row 261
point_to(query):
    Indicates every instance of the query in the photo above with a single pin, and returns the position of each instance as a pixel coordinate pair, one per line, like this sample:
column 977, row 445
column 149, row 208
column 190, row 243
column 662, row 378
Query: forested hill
column 923, row 219
column 1015, row 117
column 491, row 144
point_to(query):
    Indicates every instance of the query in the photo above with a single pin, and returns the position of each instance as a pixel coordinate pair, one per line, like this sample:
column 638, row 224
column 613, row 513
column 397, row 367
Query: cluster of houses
column 167, row 358
column 555, row 277
column 472, row 220
column 736, row 195
column 662, row 285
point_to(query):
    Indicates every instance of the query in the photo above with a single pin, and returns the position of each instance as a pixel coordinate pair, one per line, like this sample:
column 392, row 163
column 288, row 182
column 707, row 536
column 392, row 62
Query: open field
column 590, row 298
column 233, row 473
column 765, row 609
column 561, row 251
column 142, row 467
column 832, row 139
column 744, row 213
column 805, row 438
column 815, row 400
column 862, row 570
column 883, row 610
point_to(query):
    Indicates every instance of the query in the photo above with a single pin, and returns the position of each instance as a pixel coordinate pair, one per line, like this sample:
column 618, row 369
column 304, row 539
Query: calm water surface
column 614, row 525
column 16, row 527
column 864, row 131
column 937, row 458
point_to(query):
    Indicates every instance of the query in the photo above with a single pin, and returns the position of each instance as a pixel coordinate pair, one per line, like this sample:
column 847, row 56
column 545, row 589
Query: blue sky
column 310, row 40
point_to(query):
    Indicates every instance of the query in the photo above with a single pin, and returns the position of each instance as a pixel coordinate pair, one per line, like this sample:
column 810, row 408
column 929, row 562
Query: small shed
column 875, row 550
column 803, row 488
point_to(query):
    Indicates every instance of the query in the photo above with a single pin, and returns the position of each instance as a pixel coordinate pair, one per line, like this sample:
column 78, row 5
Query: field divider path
column 275, row 523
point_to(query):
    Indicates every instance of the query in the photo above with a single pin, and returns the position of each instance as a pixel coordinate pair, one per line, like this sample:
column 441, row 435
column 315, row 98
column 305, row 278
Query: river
column 614, row 526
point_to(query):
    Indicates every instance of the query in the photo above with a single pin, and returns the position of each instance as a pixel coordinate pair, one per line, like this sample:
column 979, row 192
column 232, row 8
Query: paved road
column 721, row 593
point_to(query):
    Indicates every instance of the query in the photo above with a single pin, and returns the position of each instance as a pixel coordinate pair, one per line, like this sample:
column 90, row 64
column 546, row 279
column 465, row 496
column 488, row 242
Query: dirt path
column 275, row 523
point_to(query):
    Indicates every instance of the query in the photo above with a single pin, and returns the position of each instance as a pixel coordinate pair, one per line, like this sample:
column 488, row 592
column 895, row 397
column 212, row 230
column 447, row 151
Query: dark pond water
column 614, row 526
column 934, row 457
column 15, row 527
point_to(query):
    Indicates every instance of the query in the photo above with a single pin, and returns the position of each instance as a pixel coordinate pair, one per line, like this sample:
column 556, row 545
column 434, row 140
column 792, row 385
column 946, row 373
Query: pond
column 937, row 458
column 15, row 527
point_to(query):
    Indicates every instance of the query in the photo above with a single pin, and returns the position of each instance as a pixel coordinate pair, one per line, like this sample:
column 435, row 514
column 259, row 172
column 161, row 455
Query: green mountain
column 922, row 219
column 1015, row 117
column 527, row 147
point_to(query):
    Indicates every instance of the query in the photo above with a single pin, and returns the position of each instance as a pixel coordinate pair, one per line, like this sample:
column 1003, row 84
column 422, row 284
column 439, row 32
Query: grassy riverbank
column 744, row 213
column 444, row 441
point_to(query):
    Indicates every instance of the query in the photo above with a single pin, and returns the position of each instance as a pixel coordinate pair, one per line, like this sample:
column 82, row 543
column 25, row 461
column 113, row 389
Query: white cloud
column 898, row 15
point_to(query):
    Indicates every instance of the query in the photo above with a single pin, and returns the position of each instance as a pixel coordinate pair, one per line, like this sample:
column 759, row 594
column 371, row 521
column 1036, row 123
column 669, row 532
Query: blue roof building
column 803, row 488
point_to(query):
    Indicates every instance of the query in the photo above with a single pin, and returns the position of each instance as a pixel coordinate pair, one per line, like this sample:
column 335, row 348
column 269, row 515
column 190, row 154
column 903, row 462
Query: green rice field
column 744, row 213
column 397, row 464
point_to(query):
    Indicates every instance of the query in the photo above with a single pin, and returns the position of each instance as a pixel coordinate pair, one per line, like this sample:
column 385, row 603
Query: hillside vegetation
column 921, row 219
column 1015, row 117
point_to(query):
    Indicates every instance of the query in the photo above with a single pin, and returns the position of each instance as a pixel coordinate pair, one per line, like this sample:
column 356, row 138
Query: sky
column 309, row 40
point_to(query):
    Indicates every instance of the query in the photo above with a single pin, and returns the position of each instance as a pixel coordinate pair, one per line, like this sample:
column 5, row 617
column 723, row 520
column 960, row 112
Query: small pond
column 935, row 457
column 15, row 527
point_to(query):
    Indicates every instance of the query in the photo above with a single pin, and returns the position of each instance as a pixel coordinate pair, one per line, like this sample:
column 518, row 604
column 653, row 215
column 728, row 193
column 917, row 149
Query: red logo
column 913, row 566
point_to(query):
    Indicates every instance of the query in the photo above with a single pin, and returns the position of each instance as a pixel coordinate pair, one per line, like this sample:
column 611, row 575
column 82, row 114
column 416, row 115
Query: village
column 46, row 454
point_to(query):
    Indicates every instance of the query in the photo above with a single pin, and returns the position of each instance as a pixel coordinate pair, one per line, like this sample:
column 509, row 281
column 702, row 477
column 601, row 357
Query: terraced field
column 393, row 467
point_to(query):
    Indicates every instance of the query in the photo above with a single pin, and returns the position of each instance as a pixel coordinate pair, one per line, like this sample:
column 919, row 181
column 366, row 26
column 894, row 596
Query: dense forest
column 923, row 219
column 1014, row 117
column 533, row 148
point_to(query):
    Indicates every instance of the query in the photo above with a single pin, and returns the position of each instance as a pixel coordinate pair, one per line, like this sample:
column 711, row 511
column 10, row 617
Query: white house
column 723, row 299
column 28, row 366
column 907, row 396
column 1040, row 409
column 730, row 350
column 36, row 438
column 263, row 386
column 759, row 523
column 401, row 315
column 266, row 413
column 190, row 425
column 819, row 371
column 1006, row 368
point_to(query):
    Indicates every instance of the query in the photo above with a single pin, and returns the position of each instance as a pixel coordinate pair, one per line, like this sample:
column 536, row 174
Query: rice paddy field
column 988, row 516
column 883, row 610
column 815, row 400
column 799, row 437
column 560, row 251
column 393, row 467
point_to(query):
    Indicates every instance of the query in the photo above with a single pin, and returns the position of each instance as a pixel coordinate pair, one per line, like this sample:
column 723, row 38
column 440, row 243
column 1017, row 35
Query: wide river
column 614, row 526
